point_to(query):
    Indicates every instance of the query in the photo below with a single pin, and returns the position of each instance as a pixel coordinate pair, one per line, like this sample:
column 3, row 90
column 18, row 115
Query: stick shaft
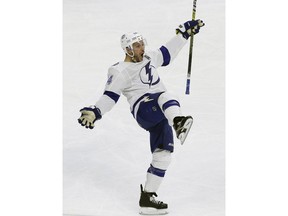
column 190, row 51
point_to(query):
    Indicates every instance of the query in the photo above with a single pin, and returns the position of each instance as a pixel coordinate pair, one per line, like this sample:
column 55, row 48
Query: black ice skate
column 182, row 125
column 150, row 206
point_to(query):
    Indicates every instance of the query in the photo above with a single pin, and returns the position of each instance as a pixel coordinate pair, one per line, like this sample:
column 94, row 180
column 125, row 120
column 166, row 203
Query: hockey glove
column 89, row 115
column 189, row 27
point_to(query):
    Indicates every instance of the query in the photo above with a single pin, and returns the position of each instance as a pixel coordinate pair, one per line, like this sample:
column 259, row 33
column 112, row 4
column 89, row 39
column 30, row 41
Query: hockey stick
column 190, row 51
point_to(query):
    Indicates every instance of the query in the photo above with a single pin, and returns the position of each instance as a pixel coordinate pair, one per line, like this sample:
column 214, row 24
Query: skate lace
column 153, row 200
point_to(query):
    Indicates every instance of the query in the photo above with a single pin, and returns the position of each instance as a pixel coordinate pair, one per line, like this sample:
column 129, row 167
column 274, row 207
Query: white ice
column 104, row 167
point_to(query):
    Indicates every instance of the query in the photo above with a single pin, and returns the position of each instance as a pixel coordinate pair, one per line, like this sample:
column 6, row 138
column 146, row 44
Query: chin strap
column 131, row 56
column 130, row 48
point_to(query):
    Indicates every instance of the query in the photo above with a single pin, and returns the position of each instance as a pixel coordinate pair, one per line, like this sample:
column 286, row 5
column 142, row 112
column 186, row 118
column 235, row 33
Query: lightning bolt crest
column 149, row 72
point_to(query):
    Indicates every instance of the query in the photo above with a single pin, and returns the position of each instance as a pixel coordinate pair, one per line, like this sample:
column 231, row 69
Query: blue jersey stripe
column 112, row 95
column 166, row 55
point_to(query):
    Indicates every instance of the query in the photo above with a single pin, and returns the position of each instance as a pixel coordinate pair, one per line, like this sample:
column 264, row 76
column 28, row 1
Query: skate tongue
column 152, row 194
column 149, row 193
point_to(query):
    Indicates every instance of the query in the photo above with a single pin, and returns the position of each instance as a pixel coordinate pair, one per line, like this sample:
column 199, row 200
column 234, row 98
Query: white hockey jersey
column 134, row 80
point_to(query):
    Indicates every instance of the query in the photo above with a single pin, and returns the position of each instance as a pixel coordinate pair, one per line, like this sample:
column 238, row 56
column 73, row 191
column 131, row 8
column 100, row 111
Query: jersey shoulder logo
column 148, row 76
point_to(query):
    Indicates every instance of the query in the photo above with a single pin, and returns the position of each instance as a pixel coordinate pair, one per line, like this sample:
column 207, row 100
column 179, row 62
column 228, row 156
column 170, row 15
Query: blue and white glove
column 189, row 27
column 89, row 115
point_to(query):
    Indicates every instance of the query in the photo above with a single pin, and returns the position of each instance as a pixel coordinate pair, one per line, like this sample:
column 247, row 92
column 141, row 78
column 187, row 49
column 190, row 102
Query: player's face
column 139, row 50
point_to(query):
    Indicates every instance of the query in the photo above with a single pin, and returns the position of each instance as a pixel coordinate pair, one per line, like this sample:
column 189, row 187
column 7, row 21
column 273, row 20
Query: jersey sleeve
column 112, row 91
column 170, row 50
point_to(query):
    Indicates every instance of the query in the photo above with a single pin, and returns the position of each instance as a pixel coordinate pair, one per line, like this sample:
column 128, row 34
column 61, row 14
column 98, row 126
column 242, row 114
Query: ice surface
column 104, row 167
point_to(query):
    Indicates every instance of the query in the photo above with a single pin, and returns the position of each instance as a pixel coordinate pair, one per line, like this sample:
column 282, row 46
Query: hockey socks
column 155, row 174
column 170, row 106
column 171, row 112
column 154, row 179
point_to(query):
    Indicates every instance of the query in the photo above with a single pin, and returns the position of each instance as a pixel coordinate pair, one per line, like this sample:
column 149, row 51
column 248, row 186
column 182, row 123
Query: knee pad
column 161, row 159
column 167, row 100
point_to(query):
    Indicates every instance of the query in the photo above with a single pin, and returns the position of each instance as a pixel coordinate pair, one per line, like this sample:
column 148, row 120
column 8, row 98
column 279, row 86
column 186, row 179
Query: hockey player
column 155, row 110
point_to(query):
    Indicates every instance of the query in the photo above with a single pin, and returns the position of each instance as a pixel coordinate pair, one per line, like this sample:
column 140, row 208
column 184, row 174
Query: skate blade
column 152, row 211
column 187, row 126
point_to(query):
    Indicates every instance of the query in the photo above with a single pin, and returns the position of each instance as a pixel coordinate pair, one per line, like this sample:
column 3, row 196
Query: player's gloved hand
column 189, row 27
column 89, row 115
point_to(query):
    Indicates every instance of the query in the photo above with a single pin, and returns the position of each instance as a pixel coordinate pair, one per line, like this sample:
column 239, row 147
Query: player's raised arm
column 170, row 50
